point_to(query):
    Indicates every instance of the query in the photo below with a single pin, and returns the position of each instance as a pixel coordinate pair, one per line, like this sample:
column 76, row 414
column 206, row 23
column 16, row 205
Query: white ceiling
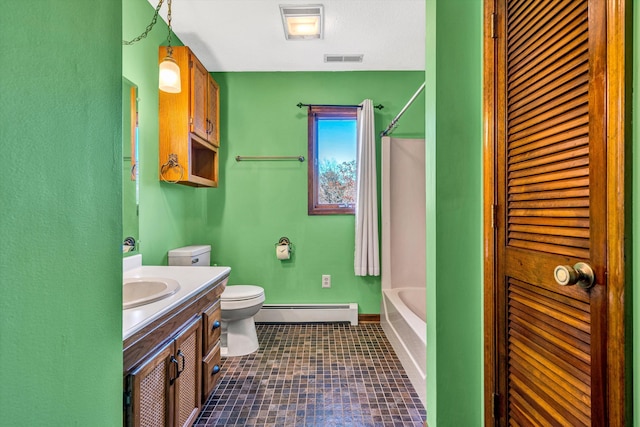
column 247, row 35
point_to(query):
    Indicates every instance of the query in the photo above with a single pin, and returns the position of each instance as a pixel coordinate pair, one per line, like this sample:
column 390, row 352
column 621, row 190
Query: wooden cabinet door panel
column 212, row 323
column 199, row 117
column 152, row 401
column 213, row 111
column 188, row 352
column 210, row 371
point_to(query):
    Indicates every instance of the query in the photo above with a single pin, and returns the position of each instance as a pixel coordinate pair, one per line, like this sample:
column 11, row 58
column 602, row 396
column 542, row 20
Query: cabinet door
column 199, row 118
column 188, row 352
column 152, row 403
column 213, row 111
column 210, row 372
column 212, row 323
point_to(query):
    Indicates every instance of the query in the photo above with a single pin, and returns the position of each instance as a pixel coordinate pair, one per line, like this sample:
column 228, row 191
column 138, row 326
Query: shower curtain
column 367, row 251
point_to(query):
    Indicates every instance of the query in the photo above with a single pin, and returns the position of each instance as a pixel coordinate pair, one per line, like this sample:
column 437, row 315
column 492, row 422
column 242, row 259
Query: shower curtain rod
column 300, row 105
column 394, row 122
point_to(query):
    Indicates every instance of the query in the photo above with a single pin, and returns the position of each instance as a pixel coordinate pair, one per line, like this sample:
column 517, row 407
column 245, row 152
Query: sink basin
column 145, row 290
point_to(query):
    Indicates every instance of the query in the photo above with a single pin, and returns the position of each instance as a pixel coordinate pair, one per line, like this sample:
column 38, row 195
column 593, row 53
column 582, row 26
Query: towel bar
column 298, row 158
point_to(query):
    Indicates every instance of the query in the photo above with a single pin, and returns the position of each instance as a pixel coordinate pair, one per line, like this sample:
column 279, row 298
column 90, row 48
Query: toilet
column 238, row 305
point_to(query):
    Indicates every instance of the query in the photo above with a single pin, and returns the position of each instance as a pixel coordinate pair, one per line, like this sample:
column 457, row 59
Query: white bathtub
column 403, row 305
column 403, row 319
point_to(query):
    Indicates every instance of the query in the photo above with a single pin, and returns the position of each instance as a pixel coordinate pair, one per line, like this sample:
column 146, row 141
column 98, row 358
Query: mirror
column 130, row 181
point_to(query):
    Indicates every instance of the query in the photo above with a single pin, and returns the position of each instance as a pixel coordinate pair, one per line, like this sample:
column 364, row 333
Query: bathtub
column 403, row 319
column 403, row 304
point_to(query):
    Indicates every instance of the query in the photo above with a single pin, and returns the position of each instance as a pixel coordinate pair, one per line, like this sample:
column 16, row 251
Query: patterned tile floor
column 315, row 375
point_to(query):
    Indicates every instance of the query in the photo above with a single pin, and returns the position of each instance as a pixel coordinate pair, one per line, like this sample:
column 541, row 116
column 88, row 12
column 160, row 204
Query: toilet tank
column 191, row 255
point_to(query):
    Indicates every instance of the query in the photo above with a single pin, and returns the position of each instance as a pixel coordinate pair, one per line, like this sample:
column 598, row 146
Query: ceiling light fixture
column 302, row 22
column 169, row 73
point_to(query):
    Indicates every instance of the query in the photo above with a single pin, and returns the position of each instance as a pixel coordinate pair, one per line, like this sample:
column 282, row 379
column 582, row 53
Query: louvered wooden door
column 550, row 211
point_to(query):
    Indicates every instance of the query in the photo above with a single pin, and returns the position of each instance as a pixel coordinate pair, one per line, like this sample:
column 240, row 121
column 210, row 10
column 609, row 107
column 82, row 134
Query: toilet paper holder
column 283, row 241
column 283, row 248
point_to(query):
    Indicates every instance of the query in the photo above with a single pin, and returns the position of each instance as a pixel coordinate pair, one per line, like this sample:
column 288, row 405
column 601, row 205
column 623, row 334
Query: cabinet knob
column 215, row 370
column 215, row 325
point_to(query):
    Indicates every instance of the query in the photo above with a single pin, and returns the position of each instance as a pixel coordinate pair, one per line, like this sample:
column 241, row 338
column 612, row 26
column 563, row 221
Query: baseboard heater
column 307, row 313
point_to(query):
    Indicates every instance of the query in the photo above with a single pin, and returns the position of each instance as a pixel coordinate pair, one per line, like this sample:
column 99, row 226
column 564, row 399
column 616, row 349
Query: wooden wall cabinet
column 190, row 124
column 165, row 390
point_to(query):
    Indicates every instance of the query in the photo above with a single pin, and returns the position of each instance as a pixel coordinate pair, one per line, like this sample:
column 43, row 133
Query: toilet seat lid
column 241, row 292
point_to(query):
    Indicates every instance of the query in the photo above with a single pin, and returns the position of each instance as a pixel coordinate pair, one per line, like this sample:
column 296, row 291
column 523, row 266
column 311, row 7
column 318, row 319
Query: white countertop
column 191, row 279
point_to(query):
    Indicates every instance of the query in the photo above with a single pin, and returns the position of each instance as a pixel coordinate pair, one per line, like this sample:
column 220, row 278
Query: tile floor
column 315, row 375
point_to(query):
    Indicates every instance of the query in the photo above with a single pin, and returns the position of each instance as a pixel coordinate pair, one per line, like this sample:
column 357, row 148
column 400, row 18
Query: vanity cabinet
column 171, row 365
column 165, row 390
column 190, row 124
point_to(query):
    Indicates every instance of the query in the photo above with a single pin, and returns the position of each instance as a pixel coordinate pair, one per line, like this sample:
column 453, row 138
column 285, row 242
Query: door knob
column 580, row 274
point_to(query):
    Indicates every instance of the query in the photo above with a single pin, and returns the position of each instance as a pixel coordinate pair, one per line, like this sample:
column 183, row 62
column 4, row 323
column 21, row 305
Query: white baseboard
column 305, row 313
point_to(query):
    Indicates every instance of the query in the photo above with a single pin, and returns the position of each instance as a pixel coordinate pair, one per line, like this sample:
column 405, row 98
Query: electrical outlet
column 326, row 280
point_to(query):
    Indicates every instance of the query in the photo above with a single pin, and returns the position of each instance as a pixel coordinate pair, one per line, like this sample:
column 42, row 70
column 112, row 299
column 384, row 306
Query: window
column 332, row 160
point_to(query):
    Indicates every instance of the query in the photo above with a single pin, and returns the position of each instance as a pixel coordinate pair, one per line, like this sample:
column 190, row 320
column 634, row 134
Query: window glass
column 336, row 162
column 332, row 160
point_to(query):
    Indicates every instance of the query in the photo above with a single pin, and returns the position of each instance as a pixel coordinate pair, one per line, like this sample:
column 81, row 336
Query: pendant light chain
column 169, row 48
column 151, row 25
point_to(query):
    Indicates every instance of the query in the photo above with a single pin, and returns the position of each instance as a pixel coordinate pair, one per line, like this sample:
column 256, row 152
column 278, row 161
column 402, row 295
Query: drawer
column 210, row 372
column 212, row 326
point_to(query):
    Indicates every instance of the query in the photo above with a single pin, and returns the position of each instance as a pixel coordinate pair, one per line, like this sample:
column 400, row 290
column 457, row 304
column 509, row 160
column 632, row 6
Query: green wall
column 258, row 202
column 60, row 130
column 454, row 212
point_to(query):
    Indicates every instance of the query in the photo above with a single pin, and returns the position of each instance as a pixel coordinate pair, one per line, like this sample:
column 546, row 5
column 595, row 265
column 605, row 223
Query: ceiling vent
column 302, row 22
column 343, row 58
